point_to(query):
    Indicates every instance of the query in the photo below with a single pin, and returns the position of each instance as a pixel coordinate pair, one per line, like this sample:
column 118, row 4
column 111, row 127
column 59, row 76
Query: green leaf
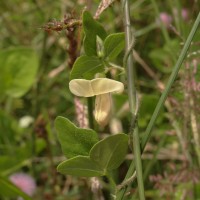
column 7, row 189
column 114, row 44
column 109, row 153
column 80, row 166
column 18, row 68
column 92, row 28
column 86, row 67
column 74, row 141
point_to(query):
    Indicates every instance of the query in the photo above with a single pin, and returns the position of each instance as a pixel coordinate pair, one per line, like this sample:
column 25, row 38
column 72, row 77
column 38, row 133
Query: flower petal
column 106, row 85
column 103, row 104
column 81, row 87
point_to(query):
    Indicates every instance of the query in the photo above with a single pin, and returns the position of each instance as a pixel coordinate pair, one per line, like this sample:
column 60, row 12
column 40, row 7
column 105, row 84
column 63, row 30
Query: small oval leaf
column 80, row 166
column 86, row 67
column 110, row 152
column 114, row 44
column 92, row 29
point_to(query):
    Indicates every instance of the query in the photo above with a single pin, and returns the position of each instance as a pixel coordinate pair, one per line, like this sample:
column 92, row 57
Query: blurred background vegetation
column 35, row 63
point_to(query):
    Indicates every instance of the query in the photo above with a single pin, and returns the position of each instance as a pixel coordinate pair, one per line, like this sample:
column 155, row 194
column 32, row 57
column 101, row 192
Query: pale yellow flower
column 102, row 89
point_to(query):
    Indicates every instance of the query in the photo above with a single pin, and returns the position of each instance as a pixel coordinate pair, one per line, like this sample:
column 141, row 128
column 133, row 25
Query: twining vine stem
column 132, row 95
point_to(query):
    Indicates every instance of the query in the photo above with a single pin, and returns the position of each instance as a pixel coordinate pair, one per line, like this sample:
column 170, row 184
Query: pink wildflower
column 165, row 18
column 185, row 14
column 25, row 182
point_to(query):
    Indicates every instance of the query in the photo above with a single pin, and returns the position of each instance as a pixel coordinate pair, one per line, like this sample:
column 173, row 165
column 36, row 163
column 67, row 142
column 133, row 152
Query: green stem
column 162, row 98
column 138, row 163
column 176, row 14
column 113, row 65
column 145, row 30
column 90, row 112
column 112, row 182
column 132, row 98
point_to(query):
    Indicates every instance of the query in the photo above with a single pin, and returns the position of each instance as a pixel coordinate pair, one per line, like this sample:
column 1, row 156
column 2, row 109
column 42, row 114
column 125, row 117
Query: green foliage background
column 34, row 77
